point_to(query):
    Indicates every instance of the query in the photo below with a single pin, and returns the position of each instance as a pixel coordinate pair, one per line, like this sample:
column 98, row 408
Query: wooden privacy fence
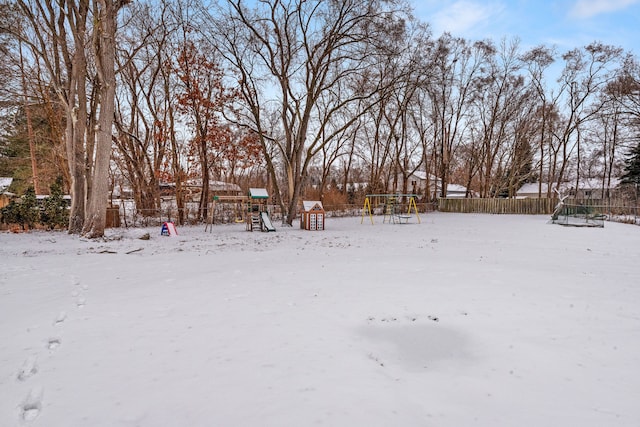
column 499, row 206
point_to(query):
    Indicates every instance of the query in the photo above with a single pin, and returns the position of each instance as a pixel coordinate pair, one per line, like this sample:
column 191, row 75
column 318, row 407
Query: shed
column 312, row 216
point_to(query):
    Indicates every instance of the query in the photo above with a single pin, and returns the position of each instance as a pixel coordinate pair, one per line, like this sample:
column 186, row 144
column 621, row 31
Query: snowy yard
column 461, row 320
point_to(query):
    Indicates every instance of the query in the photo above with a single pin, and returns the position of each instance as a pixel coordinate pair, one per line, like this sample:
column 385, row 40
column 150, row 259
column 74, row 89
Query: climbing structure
column 257, row 214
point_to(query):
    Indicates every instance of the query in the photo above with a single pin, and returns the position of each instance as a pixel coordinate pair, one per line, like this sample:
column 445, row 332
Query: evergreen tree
column 29, row 208
column 55, row 211
column 10, row 214
column 24, row 212
column 632, row 167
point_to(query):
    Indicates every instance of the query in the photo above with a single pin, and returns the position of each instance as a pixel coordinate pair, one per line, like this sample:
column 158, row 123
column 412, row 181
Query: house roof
column 532, row 188
column 423, row 176
column 223, row 186
column 456, row 188
column 585, row 184
column 5, row 183
column 195, row 184
column 450, row 187
column 596, row 183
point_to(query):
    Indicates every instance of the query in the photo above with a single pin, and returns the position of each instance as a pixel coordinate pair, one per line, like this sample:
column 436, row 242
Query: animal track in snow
column 29, row 369
column 32, row 405
column 81, row 301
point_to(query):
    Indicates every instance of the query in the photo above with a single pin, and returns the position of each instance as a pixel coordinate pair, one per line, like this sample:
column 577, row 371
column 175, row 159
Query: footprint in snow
column 53, row 343
column 32, row 405
column 29, row 369
column 62, row 316
column 81, row 301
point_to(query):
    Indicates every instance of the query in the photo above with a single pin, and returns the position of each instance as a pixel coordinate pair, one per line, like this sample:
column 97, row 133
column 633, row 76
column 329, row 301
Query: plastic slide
column 266, row 221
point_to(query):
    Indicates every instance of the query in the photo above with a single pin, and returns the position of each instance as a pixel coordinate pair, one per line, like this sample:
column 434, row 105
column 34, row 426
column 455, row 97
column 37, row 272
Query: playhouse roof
column 258, row 193
column 308, row 205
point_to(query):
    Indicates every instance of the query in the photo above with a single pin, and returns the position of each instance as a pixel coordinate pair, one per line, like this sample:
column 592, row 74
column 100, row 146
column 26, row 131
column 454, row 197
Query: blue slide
column 266, row 221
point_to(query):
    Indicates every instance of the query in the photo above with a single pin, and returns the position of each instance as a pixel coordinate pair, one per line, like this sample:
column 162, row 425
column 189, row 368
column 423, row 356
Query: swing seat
column 403, row 219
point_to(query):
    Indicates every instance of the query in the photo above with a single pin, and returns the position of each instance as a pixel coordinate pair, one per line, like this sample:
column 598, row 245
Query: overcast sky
column 564, row 23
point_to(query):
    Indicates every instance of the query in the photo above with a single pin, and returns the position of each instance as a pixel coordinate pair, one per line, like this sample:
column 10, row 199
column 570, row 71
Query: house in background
column 456, row 191
column 589, row 188
column 595, row 188
column 417, row 184
column 531, row 190
column 193, row 187
column 5, row 196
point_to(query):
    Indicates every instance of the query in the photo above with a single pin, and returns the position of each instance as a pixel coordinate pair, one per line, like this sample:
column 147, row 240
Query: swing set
column 392, row 207
column 239, row 210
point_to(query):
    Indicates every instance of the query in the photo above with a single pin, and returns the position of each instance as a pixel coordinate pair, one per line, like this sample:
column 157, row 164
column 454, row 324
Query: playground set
column 396, row 208
column 250, row 209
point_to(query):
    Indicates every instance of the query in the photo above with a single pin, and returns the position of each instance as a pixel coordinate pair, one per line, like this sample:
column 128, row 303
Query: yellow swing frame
column 367, row 209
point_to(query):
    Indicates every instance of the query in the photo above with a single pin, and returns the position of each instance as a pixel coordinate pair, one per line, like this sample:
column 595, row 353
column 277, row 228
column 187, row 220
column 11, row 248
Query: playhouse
column 312, row 216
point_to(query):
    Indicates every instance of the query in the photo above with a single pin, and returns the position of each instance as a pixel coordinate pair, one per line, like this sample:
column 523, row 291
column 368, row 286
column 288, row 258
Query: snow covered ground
column 461, row 320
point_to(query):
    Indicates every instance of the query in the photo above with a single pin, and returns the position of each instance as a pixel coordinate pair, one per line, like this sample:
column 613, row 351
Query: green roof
column 258, row 193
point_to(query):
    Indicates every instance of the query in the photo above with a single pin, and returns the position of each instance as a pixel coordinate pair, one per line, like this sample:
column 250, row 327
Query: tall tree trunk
column 105, row 53
column 76, row 115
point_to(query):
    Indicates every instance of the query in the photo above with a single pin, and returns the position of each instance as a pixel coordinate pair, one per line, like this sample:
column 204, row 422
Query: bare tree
column 457, row 67
column 412, row 75
column 587, row 71
column 537, row 62
column 501, row 97
column 308, row 60
column 142, row 137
